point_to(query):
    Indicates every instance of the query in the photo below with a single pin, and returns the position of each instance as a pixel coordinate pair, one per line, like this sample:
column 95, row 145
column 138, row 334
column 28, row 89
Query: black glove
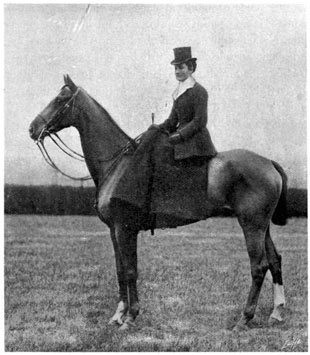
column 175, row 138
column 153, row 126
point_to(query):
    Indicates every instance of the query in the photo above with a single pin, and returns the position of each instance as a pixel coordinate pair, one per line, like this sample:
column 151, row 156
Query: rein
column 75, row 155
column 114, row 158
column 51, row 163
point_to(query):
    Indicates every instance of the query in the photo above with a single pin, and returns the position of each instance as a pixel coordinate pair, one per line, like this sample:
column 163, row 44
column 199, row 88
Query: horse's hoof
column 272, row 321
column 115, row 322
column 128, row 324
column 241, row 326
column 276, row 316
column 124, row 327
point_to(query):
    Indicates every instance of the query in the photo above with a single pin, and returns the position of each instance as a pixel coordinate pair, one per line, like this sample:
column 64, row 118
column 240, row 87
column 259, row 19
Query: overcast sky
column 251, row 60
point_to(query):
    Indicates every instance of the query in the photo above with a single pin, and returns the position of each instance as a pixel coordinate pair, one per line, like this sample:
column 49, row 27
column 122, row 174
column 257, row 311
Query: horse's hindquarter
column 242, row 179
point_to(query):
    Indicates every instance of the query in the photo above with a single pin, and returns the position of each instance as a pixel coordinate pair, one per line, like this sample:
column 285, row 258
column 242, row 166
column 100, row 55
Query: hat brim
column 174, row 62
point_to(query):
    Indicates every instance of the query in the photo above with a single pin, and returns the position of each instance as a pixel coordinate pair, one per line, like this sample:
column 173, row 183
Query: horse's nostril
column 31, row 131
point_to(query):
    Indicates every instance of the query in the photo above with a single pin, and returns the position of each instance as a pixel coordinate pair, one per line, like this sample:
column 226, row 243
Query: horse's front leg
column 122, row 308
column 132, row 276
column 127, row 242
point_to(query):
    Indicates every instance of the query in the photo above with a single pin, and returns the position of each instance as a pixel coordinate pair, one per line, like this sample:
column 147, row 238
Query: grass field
column 61, row 290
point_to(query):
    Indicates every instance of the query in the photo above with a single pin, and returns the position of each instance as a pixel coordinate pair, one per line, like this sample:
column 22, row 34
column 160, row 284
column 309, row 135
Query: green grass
column 61, row 290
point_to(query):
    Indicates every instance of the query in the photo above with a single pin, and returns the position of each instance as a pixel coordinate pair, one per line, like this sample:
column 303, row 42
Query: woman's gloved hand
column 175, row 138
column 153, row 126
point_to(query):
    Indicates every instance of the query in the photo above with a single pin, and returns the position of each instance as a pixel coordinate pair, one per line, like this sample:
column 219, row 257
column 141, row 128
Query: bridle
column 114, row 158
column 46, row 132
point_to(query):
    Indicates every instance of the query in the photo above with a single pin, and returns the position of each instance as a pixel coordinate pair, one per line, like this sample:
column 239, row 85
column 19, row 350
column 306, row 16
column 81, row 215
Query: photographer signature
column 291, row 344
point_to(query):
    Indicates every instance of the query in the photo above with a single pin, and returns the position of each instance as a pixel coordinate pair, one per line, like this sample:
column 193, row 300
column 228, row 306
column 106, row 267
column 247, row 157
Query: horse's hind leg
column 122, row 307
column 255, row 242
column 274, row 260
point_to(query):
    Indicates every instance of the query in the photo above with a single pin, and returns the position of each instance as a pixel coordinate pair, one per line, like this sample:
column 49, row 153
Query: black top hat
column 182, row 55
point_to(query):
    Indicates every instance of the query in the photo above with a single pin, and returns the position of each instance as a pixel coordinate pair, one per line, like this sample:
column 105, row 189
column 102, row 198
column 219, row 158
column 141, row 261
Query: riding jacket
column 189, row 118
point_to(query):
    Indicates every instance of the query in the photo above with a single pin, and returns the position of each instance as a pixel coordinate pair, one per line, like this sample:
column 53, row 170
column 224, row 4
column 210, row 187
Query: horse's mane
column 105, row 114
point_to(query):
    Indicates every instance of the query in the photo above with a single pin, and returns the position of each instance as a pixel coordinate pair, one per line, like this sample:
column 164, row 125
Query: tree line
column 68, row 200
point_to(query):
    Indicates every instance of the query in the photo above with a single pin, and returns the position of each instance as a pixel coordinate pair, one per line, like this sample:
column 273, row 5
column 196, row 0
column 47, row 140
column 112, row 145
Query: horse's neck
column 101, row 138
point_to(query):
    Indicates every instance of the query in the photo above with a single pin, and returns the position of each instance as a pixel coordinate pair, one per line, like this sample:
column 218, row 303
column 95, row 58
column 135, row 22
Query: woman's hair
column 191, row 64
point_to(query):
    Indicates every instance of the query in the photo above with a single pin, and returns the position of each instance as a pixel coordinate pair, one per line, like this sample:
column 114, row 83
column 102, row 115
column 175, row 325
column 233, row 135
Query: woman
column 187, row 121
column 167, row 182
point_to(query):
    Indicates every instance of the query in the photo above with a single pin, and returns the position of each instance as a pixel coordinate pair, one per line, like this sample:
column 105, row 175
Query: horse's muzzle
column 31, row 131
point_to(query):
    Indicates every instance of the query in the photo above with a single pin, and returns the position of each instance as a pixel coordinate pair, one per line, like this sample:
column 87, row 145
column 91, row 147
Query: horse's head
column 57, row 114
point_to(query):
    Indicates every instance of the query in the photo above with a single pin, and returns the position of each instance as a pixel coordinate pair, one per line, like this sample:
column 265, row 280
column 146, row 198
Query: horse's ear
column 70, row 83
column 66, row 79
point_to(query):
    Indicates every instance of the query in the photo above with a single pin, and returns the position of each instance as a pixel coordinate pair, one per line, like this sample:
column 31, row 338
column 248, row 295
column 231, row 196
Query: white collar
column 183, row 86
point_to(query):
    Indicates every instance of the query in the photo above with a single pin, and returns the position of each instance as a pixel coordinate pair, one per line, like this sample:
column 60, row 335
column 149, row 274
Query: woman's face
column 182, row 72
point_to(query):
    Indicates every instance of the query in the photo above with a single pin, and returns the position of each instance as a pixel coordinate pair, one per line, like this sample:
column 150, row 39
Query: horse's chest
column 107, row 189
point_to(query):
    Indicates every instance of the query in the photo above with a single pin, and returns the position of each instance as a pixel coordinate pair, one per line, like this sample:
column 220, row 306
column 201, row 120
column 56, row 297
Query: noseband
column 46, row 130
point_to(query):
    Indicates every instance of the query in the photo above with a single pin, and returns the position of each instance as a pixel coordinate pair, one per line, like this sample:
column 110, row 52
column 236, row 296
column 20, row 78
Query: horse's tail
column 280, row 214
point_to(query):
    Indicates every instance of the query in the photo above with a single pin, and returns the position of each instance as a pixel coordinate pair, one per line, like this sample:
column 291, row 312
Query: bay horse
column 253, row 187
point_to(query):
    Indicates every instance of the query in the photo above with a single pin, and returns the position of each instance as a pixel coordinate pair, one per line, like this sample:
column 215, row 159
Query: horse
column 253, row 187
